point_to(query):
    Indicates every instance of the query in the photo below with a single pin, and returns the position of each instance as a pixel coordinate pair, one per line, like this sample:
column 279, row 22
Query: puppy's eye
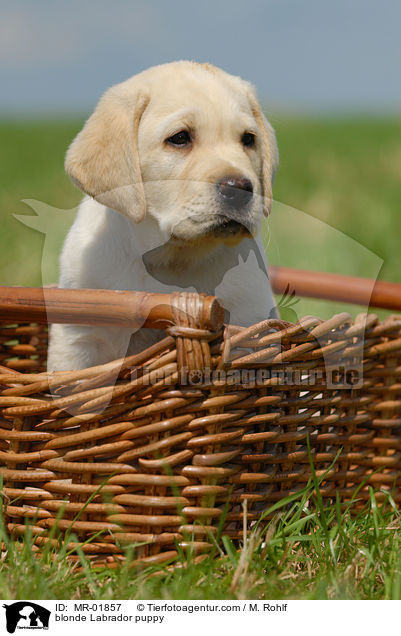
column 181, row 138
column 248, row 140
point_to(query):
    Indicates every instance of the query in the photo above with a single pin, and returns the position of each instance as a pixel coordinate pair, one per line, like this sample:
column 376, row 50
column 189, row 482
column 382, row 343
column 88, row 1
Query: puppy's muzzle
column 235, row 192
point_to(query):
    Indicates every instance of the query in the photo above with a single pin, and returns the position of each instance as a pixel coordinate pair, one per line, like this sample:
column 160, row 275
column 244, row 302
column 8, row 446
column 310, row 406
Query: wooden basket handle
column 103, row 307
column 349, row 289
column 143, row 309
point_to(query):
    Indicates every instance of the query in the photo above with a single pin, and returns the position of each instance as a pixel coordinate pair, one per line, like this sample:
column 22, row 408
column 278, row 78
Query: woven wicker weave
column 166, row 443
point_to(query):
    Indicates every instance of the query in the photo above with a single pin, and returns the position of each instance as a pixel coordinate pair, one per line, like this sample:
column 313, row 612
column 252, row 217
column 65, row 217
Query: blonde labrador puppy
column 178, row 163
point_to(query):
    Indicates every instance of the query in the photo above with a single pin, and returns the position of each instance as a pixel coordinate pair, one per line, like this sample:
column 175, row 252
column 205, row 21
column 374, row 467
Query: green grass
column 305, row 551
column 339, row 188
column 338, row 193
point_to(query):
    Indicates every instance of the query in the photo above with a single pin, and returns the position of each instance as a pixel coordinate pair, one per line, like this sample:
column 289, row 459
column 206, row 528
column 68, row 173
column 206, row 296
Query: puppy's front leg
column 73, row 347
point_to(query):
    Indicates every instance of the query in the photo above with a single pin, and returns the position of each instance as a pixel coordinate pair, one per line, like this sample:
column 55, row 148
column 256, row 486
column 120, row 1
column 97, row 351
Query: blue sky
column 302, row 55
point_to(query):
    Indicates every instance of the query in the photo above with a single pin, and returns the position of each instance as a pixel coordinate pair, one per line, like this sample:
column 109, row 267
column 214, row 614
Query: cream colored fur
column 146, row 224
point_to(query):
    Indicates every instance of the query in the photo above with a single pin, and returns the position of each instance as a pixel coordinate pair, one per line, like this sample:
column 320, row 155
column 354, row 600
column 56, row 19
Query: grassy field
column 338, row 192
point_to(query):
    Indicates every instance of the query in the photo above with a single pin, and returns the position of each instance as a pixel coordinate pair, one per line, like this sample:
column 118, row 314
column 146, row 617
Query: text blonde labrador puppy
column 178, row 163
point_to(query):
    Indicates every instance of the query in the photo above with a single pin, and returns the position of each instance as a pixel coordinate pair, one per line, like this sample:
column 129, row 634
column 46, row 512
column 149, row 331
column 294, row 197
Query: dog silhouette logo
column 26, row 615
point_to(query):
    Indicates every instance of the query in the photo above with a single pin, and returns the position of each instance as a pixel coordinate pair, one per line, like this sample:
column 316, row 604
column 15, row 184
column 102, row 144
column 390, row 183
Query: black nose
column 235, row 191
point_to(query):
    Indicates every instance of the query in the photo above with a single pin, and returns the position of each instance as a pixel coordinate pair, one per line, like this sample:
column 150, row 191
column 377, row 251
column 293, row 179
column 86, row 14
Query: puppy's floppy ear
column 269, row 151
column 103, row 159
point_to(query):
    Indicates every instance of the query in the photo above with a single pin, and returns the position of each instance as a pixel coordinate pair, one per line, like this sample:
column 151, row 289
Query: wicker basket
column 161, row 448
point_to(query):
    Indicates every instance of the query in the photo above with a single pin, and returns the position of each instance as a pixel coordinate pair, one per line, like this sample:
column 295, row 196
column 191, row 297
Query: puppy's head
column 185, row 143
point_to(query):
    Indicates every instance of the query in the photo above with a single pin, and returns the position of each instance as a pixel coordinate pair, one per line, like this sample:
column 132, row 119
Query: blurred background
column 328, row 75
